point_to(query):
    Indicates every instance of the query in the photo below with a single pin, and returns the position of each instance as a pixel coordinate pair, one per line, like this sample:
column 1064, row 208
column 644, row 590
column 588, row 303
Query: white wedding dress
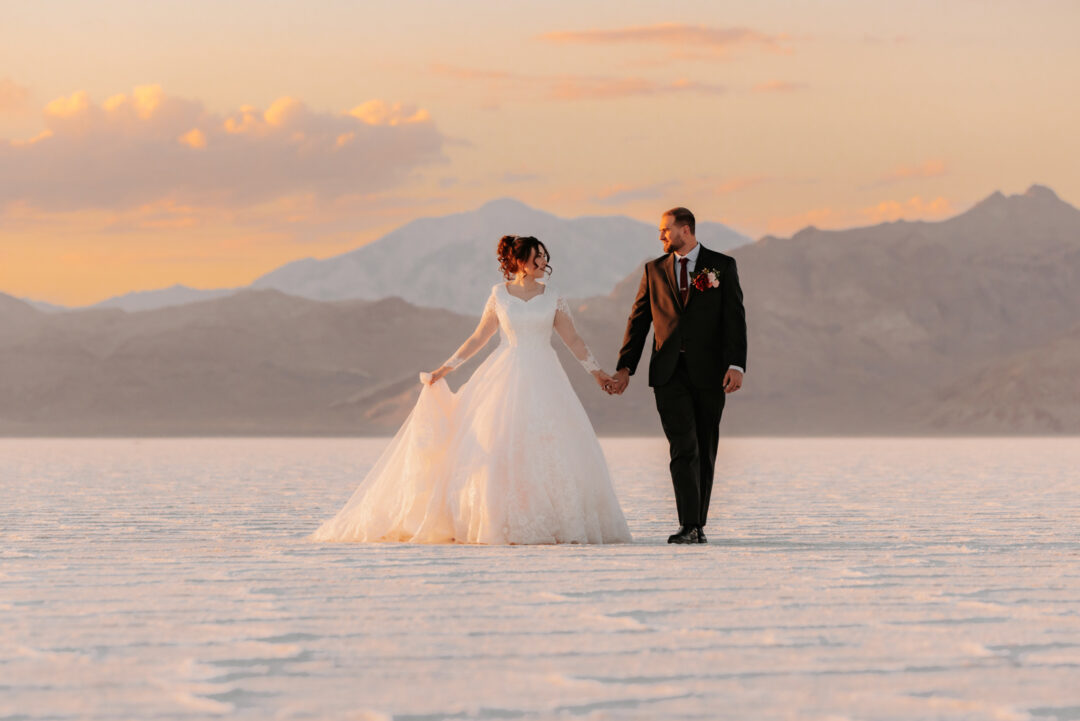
column 511, row 458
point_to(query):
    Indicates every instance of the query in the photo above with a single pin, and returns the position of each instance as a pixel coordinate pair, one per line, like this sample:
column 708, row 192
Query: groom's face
column 674, row 237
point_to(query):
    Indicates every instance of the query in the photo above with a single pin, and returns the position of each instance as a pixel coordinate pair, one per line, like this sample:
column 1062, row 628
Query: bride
column 511, row 458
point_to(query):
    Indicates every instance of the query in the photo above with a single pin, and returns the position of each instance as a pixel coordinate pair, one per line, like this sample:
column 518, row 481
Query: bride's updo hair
column 514, row 252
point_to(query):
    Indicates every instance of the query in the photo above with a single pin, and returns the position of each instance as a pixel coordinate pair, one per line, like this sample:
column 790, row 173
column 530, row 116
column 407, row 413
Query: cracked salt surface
column 845, row 579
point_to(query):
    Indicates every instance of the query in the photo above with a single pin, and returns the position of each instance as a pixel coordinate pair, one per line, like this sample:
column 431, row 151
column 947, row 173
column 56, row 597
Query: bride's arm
column 489, row 323
column 564, row 326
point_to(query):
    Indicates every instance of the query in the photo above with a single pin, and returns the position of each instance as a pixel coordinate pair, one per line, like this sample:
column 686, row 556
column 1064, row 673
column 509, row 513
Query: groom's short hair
column 682, row 216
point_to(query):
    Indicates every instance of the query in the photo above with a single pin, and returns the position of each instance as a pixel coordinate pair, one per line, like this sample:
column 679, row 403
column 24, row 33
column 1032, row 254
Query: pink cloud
column 136, row 148
column 717, row 40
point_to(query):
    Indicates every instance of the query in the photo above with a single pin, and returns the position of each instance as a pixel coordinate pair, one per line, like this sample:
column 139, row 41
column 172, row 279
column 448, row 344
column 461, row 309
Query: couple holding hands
column 512, row 458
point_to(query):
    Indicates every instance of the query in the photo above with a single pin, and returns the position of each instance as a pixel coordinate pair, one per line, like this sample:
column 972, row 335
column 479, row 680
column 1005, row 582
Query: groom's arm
column 734, row 319
column 637, row 327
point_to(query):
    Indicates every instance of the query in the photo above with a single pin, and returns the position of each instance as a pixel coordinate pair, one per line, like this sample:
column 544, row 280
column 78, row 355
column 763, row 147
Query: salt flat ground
column 845, row 579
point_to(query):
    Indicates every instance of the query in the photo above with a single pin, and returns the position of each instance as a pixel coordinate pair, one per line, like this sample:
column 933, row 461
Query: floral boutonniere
column 706, row 278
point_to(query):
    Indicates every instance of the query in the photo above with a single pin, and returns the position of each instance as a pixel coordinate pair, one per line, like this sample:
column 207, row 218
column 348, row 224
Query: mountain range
column 969, row 325
column 449, row 262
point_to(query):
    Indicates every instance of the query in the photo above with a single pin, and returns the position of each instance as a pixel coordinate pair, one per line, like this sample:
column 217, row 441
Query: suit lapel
column 669, row 271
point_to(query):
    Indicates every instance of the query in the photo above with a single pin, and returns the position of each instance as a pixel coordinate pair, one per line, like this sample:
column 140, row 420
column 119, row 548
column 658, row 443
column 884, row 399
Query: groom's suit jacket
column 709, row 331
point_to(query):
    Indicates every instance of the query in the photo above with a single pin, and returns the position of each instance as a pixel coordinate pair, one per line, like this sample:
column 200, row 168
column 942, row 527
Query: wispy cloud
column 934, row 168
column 133, row 149
column 575, row 87
column 13, row 97
column 717, row 41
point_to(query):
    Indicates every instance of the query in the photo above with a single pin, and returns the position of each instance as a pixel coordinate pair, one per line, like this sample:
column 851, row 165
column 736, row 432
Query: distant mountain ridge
column 165, row 297
column 449, row 261
column 963, row 326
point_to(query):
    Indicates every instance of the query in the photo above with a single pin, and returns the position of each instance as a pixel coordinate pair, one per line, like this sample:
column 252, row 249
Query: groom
column 692, row 299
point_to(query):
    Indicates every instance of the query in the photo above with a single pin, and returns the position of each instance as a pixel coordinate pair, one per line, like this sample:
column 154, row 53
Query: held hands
column 602, row 379
column 618, row 383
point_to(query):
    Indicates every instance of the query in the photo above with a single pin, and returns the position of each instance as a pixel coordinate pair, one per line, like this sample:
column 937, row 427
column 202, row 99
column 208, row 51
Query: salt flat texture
column 845, row 579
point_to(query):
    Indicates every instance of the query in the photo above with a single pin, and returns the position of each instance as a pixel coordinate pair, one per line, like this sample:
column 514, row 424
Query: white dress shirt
column 691, row 263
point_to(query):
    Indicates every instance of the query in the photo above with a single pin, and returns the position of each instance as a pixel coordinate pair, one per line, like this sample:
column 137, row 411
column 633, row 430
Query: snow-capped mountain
column 449, row 262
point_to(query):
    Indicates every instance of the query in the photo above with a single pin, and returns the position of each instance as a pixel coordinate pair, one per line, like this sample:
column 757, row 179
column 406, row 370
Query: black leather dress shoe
column 701, row 535
column 686, row 534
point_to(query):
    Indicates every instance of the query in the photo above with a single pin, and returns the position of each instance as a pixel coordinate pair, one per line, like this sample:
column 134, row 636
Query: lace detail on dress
column 489, row 321
column 574, row 342
column 589, row 363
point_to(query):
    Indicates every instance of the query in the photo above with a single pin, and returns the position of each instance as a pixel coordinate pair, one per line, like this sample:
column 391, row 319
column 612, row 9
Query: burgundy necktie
column 684, row 281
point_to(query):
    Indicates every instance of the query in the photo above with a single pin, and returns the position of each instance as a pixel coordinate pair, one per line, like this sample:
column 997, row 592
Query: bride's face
column 536, row 265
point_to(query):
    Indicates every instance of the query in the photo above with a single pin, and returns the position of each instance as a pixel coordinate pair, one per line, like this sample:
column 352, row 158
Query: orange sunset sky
column 149, row 143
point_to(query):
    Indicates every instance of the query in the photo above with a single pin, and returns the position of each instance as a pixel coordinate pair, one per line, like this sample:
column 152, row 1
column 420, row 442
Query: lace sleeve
column 564, row 326
column 489, row 323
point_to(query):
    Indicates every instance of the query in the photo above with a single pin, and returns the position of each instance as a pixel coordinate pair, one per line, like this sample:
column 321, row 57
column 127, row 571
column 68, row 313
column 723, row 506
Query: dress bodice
column 524, row 322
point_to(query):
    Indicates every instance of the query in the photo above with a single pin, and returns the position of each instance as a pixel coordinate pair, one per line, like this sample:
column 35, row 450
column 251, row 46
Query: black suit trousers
column 690, row 415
